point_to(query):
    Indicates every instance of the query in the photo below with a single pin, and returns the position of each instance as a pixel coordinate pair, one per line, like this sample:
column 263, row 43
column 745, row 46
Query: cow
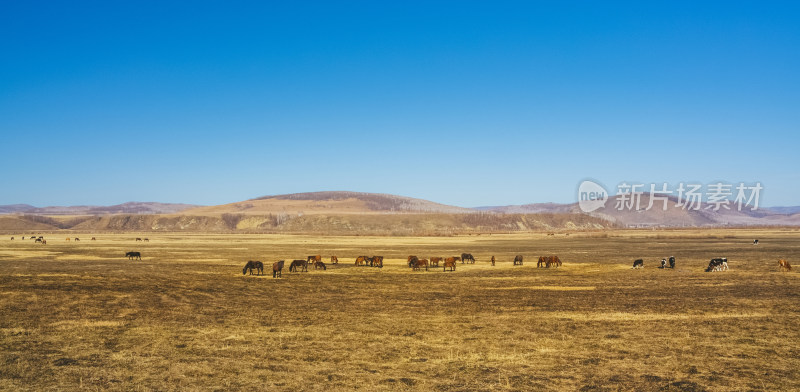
column 663, row 263
column 133, row 255
column 314, row 259
column 418, row 263
column 450, row 262
column 467, row 257
column 376, row 261
column 518, row 259
column 253, row 265
column 492, row 261
column 672, row 262
column 320, row 265
column 785, row 266
column 434, row 261
column 303, row 264
column 755, row 242
column 277, row 267
column 638, row 263
column 334, row 260
column 718, row 264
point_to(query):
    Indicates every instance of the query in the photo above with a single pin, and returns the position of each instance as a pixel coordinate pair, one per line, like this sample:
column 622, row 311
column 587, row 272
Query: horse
column 362, row 260
column 94, row 239
column 492, row 261
column 253, row 265
column 77, row 239
column 38, row 240
column 411, row 260
column 320, row 265
column 518, row 259
column 785, row 266
column 12, row 238
column 542, row 262
column 277, row 267
column 133, row 255
column 638, row 263
column 146, row 240
column 334, row 260
column 44, row 242
column 376, row 261
column 68, row 239
column 419, row 263
column 303, row 264
column 450, row 262
column 555, row 261
column 467, row 257
column 434, row 261
column 138, row 239
column 314, row 259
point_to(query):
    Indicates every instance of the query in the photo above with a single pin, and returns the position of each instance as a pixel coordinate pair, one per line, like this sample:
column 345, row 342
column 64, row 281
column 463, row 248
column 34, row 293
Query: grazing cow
column 411, row 260
column 146, row 240
column 362, row 260
column 314, row 259
column 434, row 261
column 638, row 263
column 94, row 239
column 320, row 265
column 138, row 239
column 133, row 255
column 663, row 263
column 253, row 265
column 467, row 257
column 450, row 262
column 418, row 263
column 492, row 261
column 277, row 267
column 334, row 260
column 718, row 264
column 672, row 262
column 77, row 239
column 303, row 264
column 755, row 242
column 518, row 259
column 785, row 266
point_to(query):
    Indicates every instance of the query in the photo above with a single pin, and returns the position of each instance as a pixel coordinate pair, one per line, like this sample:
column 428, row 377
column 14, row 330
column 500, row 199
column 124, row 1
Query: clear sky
column 465, row 103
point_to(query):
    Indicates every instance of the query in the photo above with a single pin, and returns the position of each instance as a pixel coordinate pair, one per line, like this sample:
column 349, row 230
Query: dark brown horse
column 94, row 239
column 492, row 261
column 518, row 259
column 253, row 265
column 277, row 267
column 320, row 265
column 303, row 264
column 376, row 261
column 133, row 255
column 467, row 258
column 419, row 263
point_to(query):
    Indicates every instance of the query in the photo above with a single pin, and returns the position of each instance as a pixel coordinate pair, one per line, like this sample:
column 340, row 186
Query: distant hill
column 14, row 208
column 125, row 208
column 328, row 203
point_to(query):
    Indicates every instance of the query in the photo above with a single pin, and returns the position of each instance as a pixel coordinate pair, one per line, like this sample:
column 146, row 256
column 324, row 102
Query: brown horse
column 450, row 262
column 411, row 260
column 453, row 259
column 542, row 262
column 303, row 264
column 253, row 265
column 334, row 260
column 137, row 239
column 44, row 242
column 320, row 265
column 785, row 266
column 376, row 261
column 434, row 261
column 68, row 239
column 418, row 263
column 492, row 261
column 94, row 239
column 314, row 259
column 518, row 259
column 556, row 261
column 362, row 260
column 77, row 239
column 277, row 267
column 146, row 240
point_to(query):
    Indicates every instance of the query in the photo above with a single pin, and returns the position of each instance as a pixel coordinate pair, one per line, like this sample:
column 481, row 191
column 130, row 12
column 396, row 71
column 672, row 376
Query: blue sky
column 465, row 103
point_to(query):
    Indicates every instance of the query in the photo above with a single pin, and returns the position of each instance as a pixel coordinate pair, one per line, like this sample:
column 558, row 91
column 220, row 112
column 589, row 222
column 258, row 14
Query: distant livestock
column 672, row 262
column 785, row 266
column 450, row 262
column 314, row 259
column 434, row 261
column 411, row 261
column 718, row 264
column 94, row 239
column 77, row 239
column 419, row 263
column 12, row 238
column 303, row 264
column 320, row 265
column 146, row 240
column 376, row 261
column 467, row 258
column 277, row 267
column 137, row 239
column 638, row 263
column 253, row 265
column 133, row 255
column 334, row 260
column 755, row 242
column 492, row 261
column 518, row 259
column 362, row 260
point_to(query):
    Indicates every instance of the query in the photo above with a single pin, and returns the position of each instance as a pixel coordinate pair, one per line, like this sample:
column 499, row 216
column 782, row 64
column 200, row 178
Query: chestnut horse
column 334, row 260
column 277, row 267
column 450, row 262
column 785, row 266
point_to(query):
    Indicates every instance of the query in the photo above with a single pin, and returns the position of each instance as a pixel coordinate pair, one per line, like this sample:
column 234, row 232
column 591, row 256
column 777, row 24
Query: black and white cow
column 638, row 263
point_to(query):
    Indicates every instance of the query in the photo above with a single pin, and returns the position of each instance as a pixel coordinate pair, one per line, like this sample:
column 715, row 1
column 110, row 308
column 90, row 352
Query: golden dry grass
column 81, row 316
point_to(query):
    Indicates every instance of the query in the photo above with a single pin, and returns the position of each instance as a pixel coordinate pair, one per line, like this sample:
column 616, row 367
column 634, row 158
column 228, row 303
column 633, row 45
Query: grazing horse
column 434, row 261
column 638, row 263
column 362, row 260
column 320, row 265
column 138, row 239
column 77, row 239
column 94, row 239
column 277, row 267
column 672, row 262
column 303, row 264
column 334, row 260
column 146, row 239
column 133, row 255
column 38, row 240
column 785, row 266
column 555, row 261
column 542, row 262
column 418, row 263
column 411, row 260
column 518, row 259
column 12, row 238
column 253, row 265
column 44, row 242
column 376, row 261
column 467, row 257
column 450, row 262
column 68, row 239
column 492, row 261
column 314, row 259
column 451, row 259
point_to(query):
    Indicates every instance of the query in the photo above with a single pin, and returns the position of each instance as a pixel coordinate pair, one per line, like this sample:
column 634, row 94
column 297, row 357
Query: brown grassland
column 81, row 316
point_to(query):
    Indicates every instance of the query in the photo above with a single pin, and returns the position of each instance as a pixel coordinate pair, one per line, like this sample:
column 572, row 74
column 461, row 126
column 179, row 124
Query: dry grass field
column 81, row 316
